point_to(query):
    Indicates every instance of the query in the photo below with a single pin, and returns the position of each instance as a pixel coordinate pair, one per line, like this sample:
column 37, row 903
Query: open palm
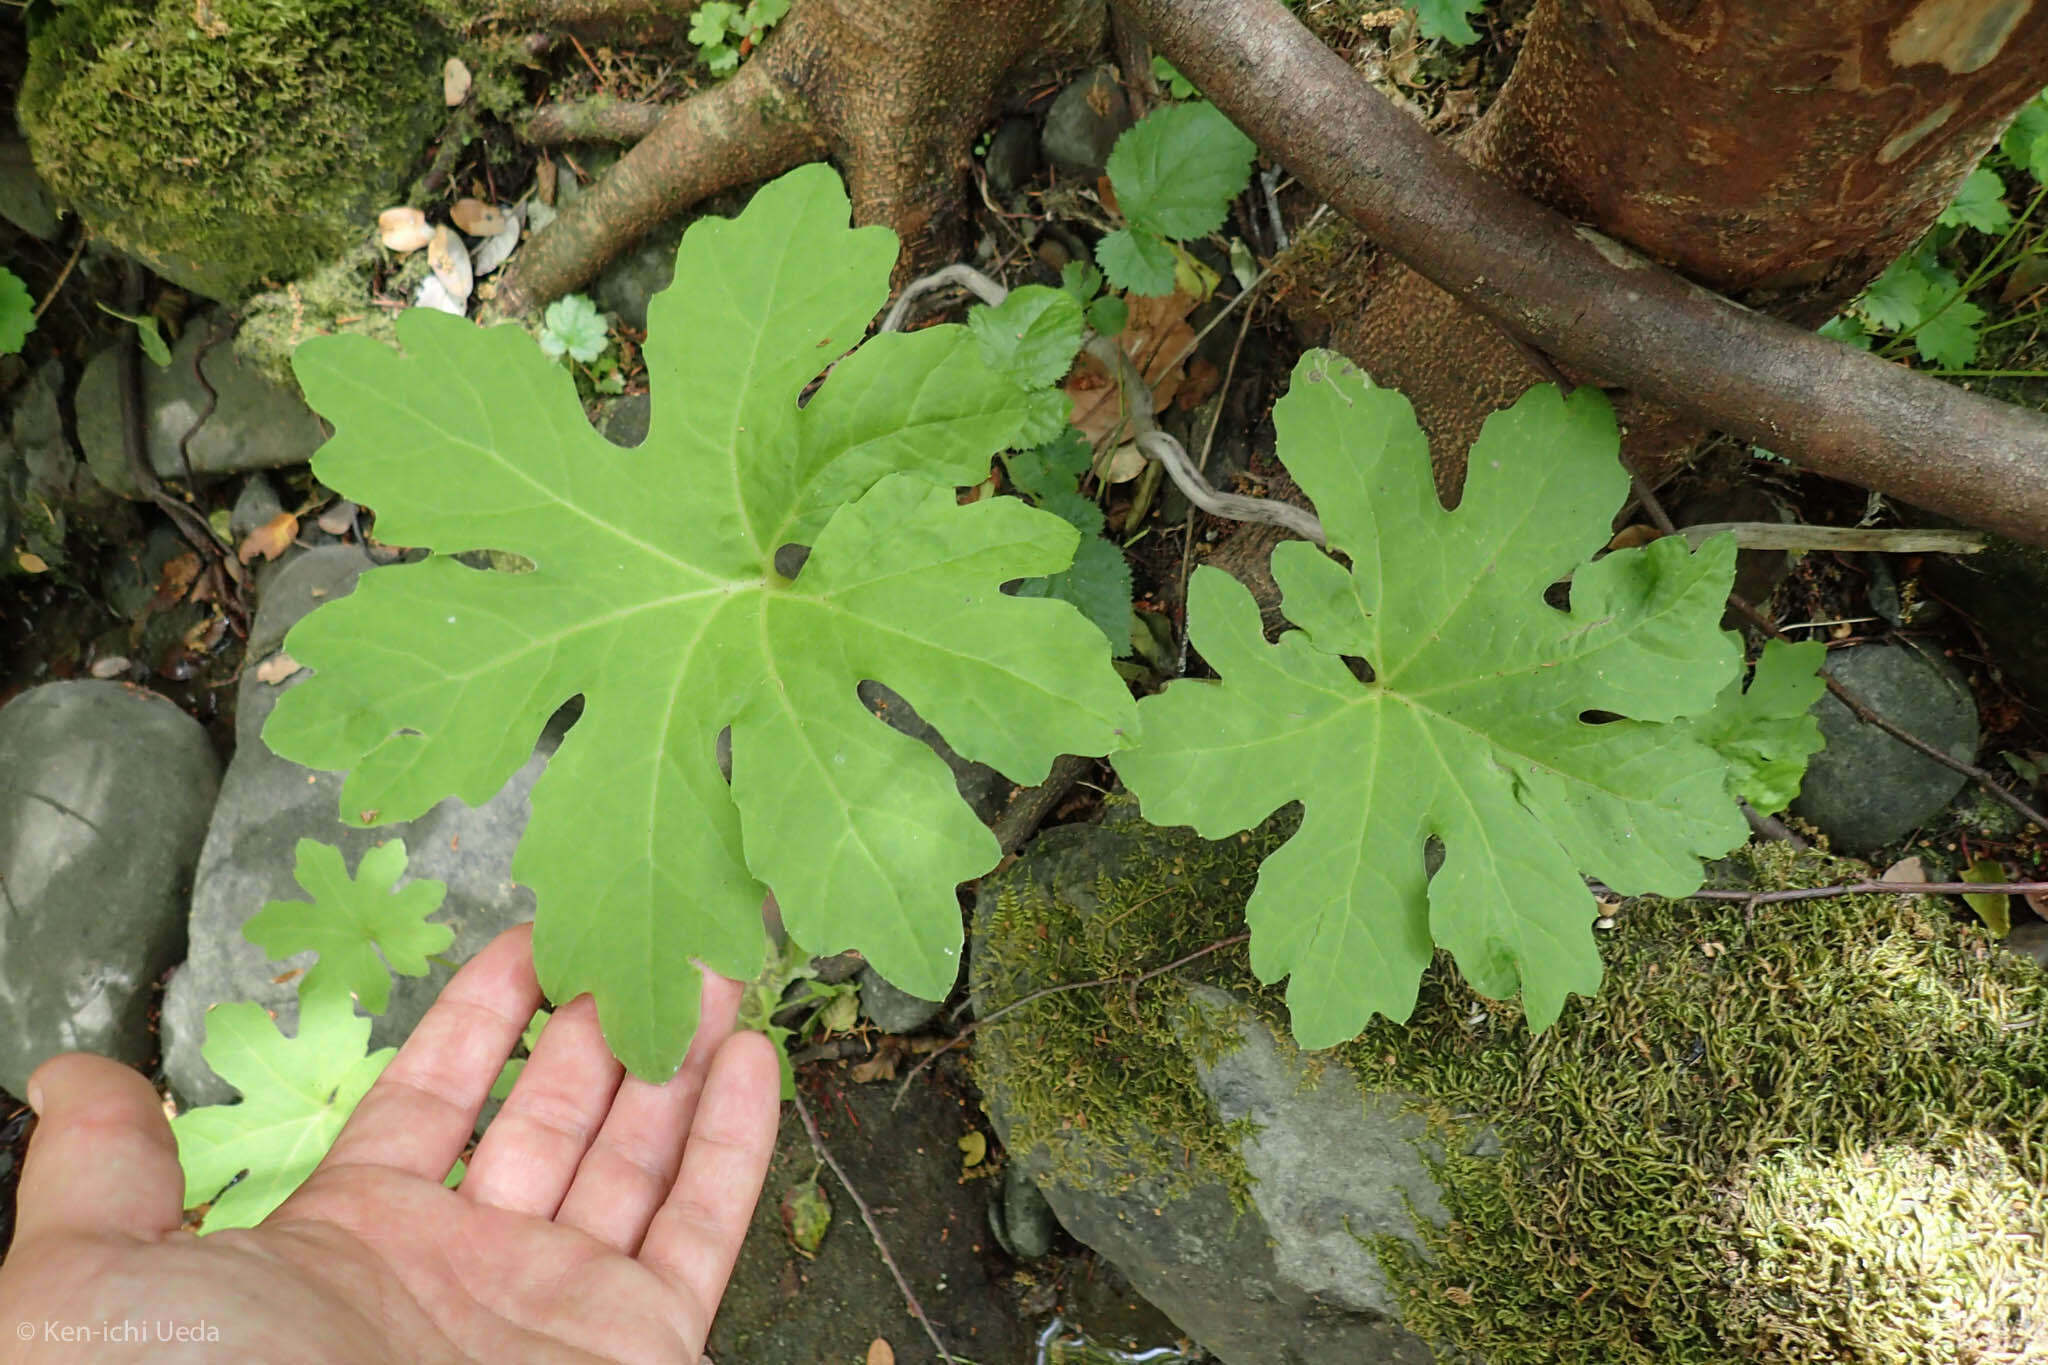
column 599, row 1218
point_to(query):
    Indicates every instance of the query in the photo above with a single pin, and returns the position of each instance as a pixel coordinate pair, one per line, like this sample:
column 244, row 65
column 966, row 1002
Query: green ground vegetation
column 1817, row 1131
column 235, row 140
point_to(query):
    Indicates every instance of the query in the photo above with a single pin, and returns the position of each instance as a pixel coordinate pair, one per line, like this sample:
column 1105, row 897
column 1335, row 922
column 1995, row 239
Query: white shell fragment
column 434, row 294
column 455, row 82
column 450, row 261
column 492, row 251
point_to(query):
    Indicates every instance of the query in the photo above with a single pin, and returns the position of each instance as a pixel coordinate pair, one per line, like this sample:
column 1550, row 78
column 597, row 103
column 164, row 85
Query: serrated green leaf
column 1176, row 170
column 1471, row 732
column 1449, row 21
column 1137, row 261
column 1903, row 295
column 573, row 324
column 1767, row 731
column 1051, row 469
column 349, row 922
column 1080, row 279
column 1848, row 330
column 1993, row 908
column 1098, row 584
column 712, row 21
column 17, row 313
column 654, row 596
column 296, row 1094
column 1980, row 204
column 1168, row 75
column 2025, row 143
column 1950, row 337
column 1032, row 335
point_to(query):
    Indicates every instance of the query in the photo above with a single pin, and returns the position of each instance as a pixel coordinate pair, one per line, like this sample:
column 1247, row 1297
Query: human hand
column 598, row 1221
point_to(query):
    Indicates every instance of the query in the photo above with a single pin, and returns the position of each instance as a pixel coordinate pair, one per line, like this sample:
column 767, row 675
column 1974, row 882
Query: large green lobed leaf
column 1478, row 726
column 654, row 596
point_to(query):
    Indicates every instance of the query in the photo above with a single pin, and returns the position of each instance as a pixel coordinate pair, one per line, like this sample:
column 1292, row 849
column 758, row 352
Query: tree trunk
column 1782, row 154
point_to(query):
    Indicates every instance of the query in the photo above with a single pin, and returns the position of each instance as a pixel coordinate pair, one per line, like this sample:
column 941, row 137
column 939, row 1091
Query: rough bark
column 1610, row 312
column 895, row 90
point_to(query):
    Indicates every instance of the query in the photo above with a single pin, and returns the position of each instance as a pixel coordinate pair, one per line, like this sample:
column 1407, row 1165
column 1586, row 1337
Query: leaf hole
column 1360, row 669
column 790, row 559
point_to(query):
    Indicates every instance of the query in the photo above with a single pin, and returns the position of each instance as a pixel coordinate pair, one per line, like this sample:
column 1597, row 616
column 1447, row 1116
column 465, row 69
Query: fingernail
column 35, row 1097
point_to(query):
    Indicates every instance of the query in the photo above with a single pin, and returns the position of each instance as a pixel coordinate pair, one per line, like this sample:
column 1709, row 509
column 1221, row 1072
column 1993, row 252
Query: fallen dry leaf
column 1905, row 870
column 403, row 230
column 455, row 82
column 434, row 294
column 477, row 218
column 31, row 562
column 276, row 668
column 493, row 251
column 270, row 539
column 544, row 181
column 450, row 261
column 881, row 1352
column 880, row 1067
column 1154, row 337
column 1120, row 465
column 113, row 666
column 339, row 517
column 1632, row 535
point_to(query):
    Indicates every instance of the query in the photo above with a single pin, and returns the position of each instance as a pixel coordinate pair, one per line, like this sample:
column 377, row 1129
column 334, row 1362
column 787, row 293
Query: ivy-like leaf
column 1767, row 731
column 296, row 1095
column 1176, row 170
column 654, row 595
column 1477, row 728
column 349, row 922
column 1448, row 20
column 17, row 313
column 1980, row 204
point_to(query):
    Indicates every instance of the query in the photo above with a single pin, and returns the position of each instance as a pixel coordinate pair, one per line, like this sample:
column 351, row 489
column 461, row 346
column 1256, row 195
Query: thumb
column 102, row 1160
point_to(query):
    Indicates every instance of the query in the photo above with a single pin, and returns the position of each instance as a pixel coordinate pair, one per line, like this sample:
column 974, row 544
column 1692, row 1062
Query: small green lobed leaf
column 655, row 597
column 1766, row 731
column 1176, row 170
column 349, row 922
column 1136, row 260
column 1447, row 20
column 296, row 1094
column 1531, row 742
column 1031, row 335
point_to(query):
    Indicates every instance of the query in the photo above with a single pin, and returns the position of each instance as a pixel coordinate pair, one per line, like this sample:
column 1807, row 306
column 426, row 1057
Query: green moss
column 233, row 140
column 1815, row 1132
column 334, row 297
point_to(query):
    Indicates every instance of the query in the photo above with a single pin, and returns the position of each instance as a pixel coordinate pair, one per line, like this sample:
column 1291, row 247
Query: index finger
column 418, row 1116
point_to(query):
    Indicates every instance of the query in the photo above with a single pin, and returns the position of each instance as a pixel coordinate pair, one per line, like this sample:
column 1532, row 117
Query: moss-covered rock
column 235, row 140
column 1811, row 1131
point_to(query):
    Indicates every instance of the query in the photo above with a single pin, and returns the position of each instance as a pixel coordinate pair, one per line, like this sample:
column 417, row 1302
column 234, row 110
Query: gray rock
column 1084, row 123
column 623, row 420
column 2003, row 588
column 256, row 422
column 1012, row 156
column 267, row 804
column 892, row 1010
column 255, row 506
column 980, row 786
column 636, row 277
column 2029, row 938
column 1021, row 1218
column 25, row 200
column 43, row 483
column 104, row 795
column 1287, row 1281
column 1865, row 789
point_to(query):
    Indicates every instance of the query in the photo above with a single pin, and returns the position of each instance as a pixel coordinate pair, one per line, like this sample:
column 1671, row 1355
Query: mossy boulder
column 232, row 141
column 1794, row 1132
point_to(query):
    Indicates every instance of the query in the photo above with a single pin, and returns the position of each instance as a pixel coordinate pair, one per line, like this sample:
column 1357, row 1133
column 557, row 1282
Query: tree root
column 744, row 130
column 551, row 125
column 1596, row 305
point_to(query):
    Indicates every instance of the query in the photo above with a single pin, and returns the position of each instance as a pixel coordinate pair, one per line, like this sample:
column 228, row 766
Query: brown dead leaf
column 450, row 261
column 477, row 218
column 276, row 668
column 113, row 666
column 1630, row 536
column 881, row 1352
column 1120, row 465
column 206, row 635
column 880, row 1067
column 1905, row 870
column 174, row 580
column 270, row 539
column 403, row 230
column 1155, row 336
column 1203, row 379
column 2037, row 901
column 455, row 82
column 31, row 562
column 544, row 181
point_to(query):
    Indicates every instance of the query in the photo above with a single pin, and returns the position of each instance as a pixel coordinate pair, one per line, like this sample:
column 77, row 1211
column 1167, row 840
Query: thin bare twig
column 989, row 291
column 803, row 1111
column 1028, row 808
column 1130, row 982
column 70, row 264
